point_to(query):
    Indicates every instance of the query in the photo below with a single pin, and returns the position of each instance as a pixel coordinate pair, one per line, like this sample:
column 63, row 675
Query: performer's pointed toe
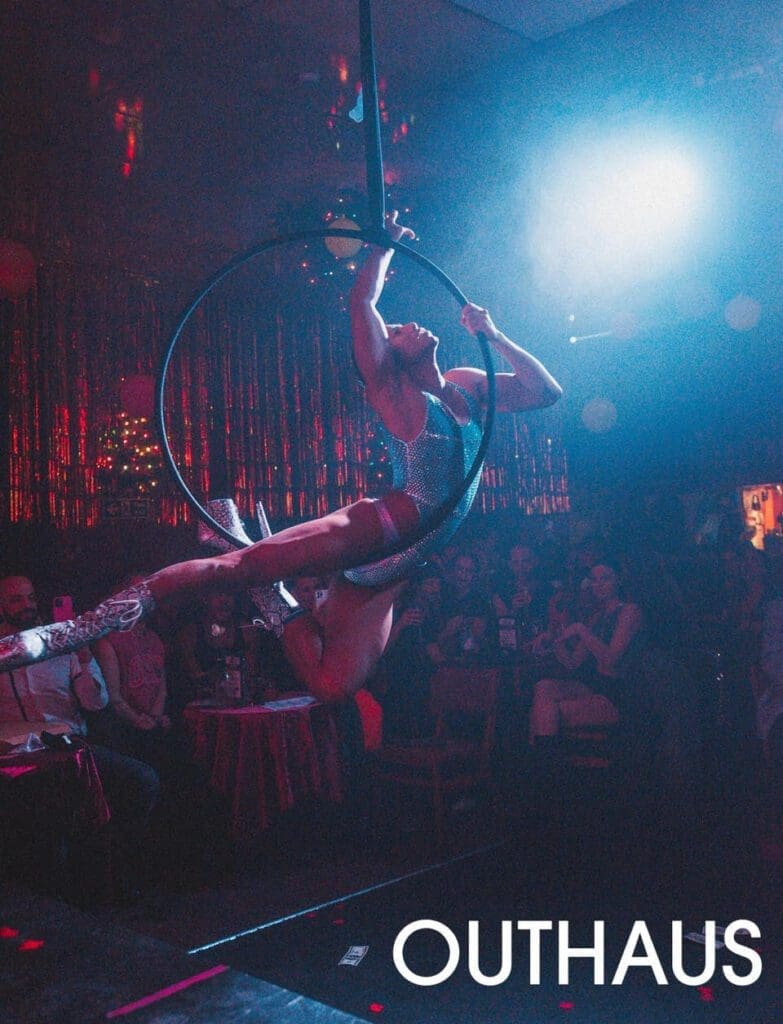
column 226, row 514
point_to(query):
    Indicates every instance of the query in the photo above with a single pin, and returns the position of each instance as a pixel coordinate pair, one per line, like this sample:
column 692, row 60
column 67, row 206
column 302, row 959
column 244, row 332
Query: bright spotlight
column 639, row 201
column 614, row 212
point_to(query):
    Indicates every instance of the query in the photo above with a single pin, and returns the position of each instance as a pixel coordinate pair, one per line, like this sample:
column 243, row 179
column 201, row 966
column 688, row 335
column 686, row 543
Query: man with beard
column 49, row 696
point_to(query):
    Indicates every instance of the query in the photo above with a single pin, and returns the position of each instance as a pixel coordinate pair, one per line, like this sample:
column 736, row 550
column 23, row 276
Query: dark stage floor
column 579, row 881
column 289, row 916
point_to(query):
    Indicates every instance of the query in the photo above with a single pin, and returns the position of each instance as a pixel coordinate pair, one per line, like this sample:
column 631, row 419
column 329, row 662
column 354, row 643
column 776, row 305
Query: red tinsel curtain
column 262, row 403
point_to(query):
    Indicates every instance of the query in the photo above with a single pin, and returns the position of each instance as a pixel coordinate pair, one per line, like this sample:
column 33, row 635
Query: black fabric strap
column 16, row 695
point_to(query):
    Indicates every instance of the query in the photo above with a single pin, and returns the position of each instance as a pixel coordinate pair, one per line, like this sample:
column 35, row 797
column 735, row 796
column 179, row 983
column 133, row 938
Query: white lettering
column 678, row 968
column 730, row 938
column 505, row 955
column 399, row 949
column 566, row 952
column 535, row 928
column 639, row 933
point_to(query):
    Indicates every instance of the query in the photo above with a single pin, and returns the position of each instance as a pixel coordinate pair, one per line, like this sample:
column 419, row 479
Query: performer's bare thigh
column 356, row 622
column 347, row 537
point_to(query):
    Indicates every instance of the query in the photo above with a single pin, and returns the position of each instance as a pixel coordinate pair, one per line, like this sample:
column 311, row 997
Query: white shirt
column 50, row 693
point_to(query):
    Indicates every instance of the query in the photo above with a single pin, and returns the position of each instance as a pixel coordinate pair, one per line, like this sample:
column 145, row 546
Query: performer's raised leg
column 342, row 539
column 348, row 537
column 334, row 657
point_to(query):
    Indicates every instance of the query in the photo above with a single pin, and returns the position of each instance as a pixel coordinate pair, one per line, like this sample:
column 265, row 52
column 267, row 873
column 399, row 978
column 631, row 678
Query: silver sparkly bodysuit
column 428, row 469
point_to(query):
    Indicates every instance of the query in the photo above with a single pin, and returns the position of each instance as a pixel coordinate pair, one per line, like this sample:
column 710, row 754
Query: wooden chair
column 456, row 759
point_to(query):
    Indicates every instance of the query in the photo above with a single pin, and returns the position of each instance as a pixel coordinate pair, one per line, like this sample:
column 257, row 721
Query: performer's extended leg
column 339, row 540
column 335, row 656
column 348, row 537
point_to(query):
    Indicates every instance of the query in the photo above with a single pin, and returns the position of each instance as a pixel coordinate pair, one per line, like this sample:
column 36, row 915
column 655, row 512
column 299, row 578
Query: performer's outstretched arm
column 372, row 352
column 530, row 386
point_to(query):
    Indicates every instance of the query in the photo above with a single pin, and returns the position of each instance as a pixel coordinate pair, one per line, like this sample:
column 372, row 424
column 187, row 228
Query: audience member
column 190, row 826
column 597, row 656
column 202, row 645
column 133, row 664
column 464, row 616
column 521, row 593
column 484, row 548
column 52, row 697
column 575, row 601
column 402, row 678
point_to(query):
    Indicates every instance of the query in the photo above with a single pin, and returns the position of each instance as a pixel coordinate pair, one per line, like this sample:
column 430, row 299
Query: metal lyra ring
column 439, row 514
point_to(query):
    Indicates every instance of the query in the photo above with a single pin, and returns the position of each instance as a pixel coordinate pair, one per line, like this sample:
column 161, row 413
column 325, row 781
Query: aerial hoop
column 376, row 234
column 439, row 514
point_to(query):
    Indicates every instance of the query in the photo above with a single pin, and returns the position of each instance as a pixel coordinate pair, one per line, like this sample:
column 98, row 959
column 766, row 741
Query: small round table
column 266, row 758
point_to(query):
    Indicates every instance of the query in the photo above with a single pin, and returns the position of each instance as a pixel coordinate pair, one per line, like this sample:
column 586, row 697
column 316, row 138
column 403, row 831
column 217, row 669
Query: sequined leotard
column 427, row 469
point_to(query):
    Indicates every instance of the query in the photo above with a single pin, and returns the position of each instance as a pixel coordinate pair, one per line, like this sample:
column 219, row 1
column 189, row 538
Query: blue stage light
column 612, row 212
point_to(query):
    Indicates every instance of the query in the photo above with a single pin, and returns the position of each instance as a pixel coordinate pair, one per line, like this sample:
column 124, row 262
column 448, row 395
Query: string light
column 300, row 437
column 129, row 461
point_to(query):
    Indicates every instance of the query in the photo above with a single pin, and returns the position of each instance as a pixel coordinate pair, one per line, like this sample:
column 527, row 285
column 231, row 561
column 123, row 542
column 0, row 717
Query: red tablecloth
column 68, row 781
column 266, row 758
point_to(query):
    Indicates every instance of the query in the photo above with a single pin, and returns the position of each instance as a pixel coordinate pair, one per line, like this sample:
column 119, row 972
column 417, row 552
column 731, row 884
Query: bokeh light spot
column 343, row 248
column 599, row 415
column 742, row 313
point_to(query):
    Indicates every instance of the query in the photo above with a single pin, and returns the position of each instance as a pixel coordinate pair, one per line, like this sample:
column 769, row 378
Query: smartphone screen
column 62, row 608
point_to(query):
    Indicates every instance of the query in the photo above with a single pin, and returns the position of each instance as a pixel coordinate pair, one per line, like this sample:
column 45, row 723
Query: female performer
column 433, row 422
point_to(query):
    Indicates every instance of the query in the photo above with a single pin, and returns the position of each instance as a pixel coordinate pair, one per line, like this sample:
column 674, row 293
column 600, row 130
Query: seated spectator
column 52, row 696
column 522, row 593
column 133, row 665
column 201, row 646
column 597, row 657
column 402, row 678
column 744, row 589
column 190, row 826
column 730, row 588
column 484, row 547
column 574, row 602
column 667, row 613
column 464, row 616
column 418, row 615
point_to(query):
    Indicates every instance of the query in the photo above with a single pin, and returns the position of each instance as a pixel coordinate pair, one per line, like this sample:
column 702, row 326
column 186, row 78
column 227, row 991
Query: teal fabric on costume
column 428, row 469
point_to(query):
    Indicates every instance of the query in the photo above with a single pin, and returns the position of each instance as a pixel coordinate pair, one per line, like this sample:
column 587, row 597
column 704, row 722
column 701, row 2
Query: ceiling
column 237, row 93
column 260, row 60
column 540, row 19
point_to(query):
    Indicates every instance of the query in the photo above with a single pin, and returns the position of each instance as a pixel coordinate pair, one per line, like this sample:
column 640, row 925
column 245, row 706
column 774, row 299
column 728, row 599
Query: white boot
column 226, row 514
column 276, row 605
column 120, row 612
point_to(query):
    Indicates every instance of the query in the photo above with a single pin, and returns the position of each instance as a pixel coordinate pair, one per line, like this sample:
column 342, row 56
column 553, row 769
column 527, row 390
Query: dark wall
column 697, row 403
